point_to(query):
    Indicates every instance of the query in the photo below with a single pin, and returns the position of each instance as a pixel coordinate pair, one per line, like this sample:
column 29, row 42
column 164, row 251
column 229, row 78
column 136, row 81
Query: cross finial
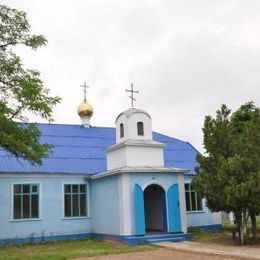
column 132, row 91
column 85, row 90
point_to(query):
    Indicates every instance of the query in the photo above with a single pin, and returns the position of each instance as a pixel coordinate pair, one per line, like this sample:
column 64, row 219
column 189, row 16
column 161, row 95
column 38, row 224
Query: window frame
column 12, row 219
column 63, row 200
column 190, row 191
column 142, row 128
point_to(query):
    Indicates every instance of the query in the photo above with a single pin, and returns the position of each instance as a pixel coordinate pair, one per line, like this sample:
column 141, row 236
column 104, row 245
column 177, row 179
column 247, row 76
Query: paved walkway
column 242, row 252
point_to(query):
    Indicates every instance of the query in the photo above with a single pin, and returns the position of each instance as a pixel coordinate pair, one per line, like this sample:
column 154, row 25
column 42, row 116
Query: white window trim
column 193, row 211
column 12, row 219
column 63, row 202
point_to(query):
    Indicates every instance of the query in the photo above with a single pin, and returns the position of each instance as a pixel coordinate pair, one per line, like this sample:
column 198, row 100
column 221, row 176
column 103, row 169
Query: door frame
column 163, row 206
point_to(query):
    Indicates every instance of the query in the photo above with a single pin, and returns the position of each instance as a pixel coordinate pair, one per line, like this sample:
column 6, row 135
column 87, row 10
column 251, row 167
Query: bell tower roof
column 129, row 112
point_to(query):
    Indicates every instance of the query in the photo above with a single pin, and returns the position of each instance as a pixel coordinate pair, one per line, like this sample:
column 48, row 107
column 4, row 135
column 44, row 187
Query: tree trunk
column 253, row 220
column 238, row 222
column 243, row 228
column 242, row 238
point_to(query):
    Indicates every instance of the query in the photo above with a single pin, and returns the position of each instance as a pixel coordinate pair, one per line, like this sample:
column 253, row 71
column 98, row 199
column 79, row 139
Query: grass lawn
column 68, row 249
column 223, row 237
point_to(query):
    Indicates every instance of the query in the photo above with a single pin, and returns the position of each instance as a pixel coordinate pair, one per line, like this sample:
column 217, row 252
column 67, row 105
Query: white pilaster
column 125, row 205
column 182, row 203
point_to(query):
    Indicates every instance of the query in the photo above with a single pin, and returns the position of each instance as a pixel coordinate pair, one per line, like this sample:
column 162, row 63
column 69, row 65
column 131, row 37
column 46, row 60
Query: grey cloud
column 185, row 57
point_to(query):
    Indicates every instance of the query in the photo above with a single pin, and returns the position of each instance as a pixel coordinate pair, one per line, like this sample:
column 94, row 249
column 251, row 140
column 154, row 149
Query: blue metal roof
column 80, row 150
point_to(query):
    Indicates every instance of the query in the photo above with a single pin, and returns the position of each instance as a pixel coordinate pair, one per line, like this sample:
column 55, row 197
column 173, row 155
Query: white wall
column 130, row 127
column 116, row 158
column 135, row 150
column 135, row 156
column 144, row 156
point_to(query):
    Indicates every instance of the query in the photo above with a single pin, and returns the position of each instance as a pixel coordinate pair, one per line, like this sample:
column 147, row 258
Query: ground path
column 244, row 252
column 161, row 253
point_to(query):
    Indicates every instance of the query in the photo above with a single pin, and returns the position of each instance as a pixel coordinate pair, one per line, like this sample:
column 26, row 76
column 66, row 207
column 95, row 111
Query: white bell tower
column 134, row 146
column 134, row 124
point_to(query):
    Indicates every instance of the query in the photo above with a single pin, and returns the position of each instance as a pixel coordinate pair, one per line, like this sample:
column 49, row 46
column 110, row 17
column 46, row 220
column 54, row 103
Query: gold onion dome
column 85, row 109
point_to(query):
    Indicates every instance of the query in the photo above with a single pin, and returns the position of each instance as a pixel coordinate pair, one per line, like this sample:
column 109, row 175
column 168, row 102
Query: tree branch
column 3, row 46
column 18, row 110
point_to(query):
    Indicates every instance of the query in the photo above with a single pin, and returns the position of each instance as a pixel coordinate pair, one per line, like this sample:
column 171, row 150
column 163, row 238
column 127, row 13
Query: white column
column 124, row 205
column 182, row 203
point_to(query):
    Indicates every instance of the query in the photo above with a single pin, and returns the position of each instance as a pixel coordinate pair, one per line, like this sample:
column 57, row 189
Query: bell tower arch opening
column 140, row 128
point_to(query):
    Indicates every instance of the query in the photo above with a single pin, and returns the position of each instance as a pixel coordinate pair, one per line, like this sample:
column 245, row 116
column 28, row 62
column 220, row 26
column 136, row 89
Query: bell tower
column 134, row 124
column 134, row 146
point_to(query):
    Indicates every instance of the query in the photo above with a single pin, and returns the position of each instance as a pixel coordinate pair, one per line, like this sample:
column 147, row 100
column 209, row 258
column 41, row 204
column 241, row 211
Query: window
column 193, row 201
column 26, row 201
column 121, row 130
column 140, row 128
column 75, row 200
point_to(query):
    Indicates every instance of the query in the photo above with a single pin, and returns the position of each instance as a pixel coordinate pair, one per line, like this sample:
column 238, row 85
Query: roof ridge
column 83, row 136
column 63, row 124
column 53, row 158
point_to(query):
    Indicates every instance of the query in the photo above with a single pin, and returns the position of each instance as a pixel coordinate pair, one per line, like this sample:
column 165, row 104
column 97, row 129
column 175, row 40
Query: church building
column 126, row 183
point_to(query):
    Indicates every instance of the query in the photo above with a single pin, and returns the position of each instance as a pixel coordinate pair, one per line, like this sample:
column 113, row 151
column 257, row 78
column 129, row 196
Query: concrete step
column 168, row 239
column 156, row 238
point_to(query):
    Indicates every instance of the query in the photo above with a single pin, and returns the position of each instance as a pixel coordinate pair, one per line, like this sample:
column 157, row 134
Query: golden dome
column 85, row 109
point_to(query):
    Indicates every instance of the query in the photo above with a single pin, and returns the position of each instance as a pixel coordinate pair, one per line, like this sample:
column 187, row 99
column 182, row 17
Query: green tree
column 245, row 123
column 229, row 172
column 21, row 90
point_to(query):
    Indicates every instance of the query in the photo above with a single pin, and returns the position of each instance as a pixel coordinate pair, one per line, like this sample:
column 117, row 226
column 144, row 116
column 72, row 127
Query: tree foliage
column 21, row 89
column 229, row 172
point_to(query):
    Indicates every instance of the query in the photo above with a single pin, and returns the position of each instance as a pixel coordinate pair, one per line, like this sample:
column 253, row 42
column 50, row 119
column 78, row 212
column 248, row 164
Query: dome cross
column 132, row 91
column 85, row 90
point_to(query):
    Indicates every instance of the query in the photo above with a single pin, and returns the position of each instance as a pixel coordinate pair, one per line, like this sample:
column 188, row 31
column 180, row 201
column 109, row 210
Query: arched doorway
column 155, row 209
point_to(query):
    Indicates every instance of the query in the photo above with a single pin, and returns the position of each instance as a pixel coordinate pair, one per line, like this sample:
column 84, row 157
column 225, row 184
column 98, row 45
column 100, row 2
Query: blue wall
column 104, row 193
column 104, row 204
column 52, row 221
column 199, row 218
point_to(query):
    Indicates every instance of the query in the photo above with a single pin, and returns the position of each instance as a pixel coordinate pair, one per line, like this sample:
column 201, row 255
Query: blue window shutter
column 174, row 209
column 139, row 210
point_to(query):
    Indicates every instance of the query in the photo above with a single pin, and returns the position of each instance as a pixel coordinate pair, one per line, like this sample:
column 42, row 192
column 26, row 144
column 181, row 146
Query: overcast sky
column 185, row 57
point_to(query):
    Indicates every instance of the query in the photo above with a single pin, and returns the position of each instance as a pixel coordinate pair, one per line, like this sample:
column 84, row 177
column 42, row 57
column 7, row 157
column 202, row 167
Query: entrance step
column 156, row 238
column 168, row 239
